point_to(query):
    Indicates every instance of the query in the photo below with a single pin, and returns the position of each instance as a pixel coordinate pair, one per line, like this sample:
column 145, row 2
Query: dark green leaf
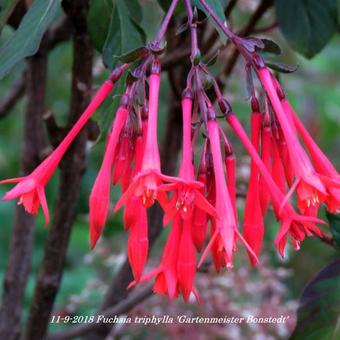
column 334, row 225
column 26, row 39
column 281, row 67
column 6, row 9
column 123, row 35
column 98, row 21
column 271, row 47
column 213, row 59
column 165, row 4
column 217, row 7
column 133, row 55
column 135, row 10
column 307, row 25
column 319, row 306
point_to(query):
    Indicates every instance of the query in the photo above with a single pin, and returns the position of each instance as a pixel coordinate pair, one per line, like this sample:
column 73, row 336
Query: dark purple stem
column 165, row 24
column 234, row 38
column 193, row 29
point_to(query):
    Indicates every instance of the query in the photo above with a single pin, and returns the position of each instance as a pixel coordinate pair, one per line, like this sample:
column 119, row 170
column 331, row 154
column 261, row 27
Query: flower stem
column 193, row 29
column 165, row 23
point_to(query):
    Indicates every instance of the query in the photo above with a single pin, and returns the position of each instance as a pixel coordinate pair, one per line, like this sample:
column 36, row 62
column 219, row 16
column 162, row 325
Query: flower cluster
column 199, row 204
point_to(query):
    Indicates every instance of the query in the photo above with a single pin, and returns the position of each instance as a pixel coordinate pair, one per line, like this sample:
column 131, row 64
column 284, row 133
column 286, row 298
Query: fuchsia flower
column 186, row 198
column 200, row 217
column 230, row 167
column 31, row 188
column 328, row 174
column 136, row 221
column 226, row 226
column 293, row 224
column 308, row 185
column 100, row 194
column 266, row 151
column 187, row 195
column 145, row 184
column 253, row 227
column 166, row 281
column 122, row 171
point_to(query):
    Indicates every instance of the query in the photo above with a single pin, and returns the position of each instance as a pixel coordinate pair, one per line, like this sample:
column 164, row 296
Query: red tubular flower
column 186, row 265
column 328, row 174
column 166, row 281
column 217, row 253
column 135, row 220
column 309, row 188
column 230, row 166
column 226, row 226
column 146, row 183
column 122, row 171
column 284, row 155
column 253, row 227
column 187, row 194
column 138, row 242
column 278, row 172
column 31, row 188
column 200, row 217
column 266, row 151
column 293, row 224
column 100, row 194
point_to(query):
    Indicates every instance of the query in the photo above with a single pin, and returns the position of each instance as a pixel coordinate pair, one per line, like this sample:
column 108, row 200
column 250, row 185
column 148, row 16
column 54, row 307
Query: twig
column 72, row 168
column 24, row 224
column 123, row 307
column 14, row 94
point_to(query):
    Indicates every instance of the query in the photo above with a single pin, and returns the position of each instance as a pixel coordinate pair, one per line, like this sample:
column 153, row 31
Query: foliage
column 319, row 306
column 26, row 39
column 307, row 25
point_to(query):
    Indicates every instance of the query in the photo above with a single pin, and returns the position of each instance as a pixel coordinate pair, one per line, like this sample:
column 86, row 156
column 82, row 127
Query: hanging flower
column 100, row 194
column 31, row 188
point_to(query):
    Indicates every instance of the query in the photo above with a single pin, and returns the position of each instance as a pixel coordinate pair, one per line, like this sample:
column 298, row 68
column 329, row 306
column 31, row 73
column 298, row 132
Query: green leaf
column 6, row 9
column 98, row 21
column 217, row 7
column 133, row 55
column 334, row 225
column 26, row 39
column 165, row 4
column 124, row 33
column 271, row 47
column 281, row 67
column 307, row 25
column 319, row 306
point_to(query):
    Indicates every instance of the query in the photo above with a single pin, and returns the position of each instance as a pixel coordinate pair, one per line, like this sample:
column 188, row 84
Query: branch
column 123, row 307
column 72, row 168
column 14, row 94
column 24, row 224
